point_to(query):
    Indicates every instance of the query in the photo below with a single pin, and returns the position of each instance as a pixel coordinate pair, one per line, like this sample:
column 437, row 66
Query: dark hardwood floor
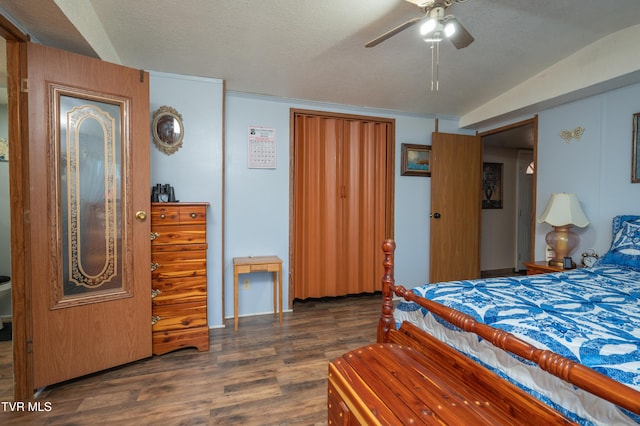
column 263, row 374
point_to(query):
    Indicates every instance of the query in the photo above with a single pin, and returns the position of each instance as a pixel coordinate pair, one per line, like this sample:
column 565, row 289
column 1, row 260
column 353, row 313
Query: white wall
column 195, row 170
column 617, row 194
column 597, row 168
column 498, row 232
column 413, row 201
column 257, row 201
column 412, row 206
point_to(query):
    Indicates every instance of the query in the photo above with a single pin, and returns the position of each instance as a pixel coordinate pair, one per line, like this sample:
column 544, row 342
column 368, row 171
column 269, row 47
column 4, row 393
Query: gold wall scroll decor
column 576, row 134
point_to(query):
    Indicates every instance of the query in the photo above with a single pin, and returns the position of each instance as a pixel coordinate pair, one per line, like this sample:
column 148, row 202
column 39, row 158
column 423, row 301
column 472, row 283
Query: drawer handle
column 155, row 293
column 154, row 235
column 154, row 266
column 155, row 319
column 163, row 216
column 193, row 215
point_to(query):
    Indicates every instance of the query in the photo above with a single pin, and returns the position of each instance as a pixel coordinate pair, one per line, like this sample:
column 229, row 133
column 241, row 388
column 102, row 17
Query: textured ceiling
column 314, row 50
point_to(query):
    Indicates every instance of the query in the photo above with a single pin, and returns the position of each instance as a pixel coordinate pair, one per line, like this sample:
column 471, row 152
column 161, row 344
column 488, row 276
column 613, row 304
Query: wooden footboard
column 564, row 368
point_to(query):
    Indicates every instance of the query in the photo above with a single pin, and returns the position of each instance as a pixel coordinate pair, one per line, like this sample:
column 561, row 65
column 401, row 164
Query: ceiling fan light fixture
column 461, row 38
column 433, row 23
column 449, row 29
column 429, row 25
column 437, row 38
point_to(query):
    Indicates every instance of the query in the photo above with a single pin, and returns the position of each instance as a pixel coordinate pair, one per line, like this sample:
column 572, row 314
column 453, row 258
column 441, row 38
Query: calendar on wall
column 262, row 147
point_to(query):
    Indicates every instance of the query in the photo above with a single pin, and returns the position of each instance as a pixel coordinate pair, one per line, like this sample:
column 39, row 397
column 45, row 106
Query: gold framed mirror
column 167, row 129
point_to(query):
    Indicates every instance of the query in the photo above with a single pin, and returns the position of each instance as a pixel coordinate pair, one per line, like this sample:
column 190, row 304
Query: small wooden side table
column 541, row 267
column 245, row 265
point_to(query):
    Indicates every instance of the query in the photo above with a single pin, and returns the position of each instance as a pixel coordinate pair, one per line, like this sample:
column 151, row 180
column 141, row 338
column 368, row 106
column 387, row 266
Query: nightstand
column 244, row 265
column 541, row 267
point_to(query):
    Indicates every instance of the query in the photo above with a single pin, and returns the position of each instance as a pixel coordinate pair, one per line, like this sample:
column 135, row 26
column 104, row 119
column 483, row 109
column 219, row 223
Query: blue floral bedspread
column 589, row 315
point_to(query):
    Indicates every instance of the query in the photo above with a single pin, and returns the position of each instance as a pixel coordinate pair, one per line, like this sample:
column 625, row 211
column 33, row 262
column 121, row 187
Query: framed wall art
column 635, row 150
column 416, row 160
column 491, row 185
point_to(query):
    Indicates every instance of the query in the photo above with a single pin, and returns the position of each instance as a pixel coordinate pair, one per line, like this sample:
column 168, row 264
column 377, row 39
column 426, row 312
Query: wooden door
column 343, row 180
column 364, row 205
column 317, row 206
column 88, row 166
column 456, row 178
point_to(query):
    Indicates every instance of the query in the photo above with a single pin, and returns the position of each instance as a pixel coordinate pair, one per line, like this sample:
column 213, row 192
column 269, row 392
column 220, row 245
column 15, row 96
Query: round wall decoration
column 167, row 129
column 4, row 149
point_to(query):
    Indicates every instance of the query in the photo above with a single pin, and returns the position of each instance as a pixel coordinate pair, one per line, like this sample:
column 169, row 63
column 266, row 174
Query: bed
column 570, row 339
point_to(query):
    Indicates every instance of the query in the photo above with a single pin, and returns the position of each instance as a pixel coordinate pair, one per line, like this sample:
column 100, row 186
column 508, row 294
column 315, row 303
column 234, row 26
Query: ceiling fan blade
column 393, row 32
column 461, row 38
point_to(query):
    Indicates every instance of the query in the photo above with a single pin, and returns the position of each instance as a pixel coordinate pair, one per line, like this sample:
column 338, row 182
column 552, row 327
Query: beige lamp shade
column 564, row 209
column 562, row 212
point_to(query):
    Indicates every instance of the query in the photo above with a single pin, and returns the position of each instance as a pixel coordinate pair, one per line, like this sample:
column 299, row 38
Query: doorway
column 507, row 229
column 6, row 344
column 34, row 258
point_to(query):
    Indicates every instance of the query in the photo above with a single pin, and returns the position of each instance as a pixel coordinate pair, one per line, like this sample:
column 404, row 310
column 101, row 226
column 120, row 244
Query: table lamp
column 562, row 212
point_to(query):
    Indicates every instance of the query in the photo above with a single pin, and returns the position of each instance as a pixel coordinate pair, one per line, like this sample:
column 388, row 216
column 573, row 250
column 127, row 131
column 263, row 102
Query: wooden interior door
column 343, row 180
column 89, row 249
column 456, row 202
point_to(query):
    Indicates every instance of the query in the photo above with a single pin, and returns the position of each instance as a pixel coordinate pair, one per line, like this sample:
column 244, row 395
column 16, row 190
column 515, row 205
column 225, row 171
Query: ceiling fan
column 435, row 24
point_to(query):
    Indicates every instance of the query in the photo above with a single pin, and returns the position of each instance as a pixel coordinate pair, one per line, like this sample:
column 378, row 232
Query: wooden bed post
column 386, row 322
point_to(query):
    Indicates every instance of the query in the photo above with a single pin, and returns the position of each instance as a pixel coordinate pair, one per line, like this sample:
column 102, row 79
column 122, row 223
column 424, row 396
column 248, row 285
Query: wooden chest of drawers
column 179, row 276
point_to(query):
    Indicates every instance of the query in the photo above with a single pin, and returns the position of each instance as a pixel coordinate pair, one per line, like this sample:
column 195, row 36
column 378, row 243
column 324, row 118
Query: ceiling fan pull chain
column 435, row 66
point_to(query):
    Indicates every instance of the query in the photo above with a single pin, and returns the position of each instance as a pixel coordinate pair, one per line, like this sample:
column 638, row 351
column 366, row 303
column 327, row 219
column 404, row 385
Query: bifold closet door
column 340, row 214
column 317, row 210
column 364, row 213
